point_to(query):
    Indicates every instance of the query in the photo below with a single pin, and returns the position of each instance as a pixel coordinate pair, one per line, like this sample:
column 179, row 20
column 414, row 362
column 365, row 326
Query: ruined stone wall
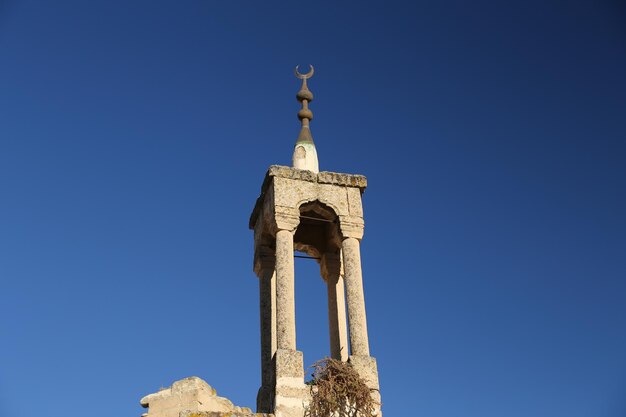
column 192, row 397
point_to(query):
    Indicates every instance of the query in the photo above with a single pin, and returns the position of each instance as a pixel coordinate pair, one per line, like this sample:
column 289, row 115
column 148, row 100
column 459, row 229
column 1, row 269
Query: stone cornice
column 324, row 177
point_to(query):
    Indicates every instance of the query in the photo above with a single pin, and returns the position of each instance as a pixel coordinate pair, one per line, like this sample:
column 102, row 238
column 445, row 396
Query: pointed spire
column 304, row 153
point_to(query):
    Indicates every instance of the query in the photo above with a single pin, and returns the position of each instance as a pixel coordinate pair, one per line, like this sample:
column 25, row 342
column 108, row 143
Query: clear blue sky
column 134, row 137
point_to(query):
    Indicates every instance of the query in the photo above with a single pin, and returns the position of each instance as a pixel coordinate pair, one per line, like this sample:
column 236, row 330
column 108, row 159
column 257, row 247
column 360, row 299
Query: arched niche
column 318, row 230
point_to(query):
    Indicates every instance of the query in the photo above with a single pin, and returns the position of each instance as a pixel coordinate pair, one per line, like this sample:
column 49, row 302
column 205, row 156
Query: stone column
column 354, row 293
column 285, row 293
column 331, row 272
column 290, row 393
column 264, row 268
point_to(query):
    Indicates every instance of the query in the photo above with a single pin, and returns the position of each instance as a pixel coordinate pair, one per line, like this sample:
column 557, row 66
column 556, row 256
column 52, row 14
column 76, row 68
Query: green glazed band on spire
column 304, row 153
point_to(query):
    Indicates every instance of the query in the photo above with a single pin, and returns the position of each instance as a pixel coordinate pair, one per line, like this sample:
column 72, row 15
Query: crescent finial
column 307, row 75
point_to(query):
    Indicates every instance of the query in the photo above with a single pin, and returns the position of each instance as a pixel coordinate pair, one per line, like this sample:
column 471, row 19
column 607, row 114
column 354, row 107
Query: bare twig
column 337, row 390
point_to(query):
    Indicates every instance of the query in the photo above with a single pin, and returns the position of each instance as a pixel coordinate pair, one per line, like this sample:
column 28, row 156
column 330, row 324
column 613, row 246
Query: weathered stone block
column 290, row 187
column 368, row 370
column 189, row 395
column 289, row 363
column 291, row 395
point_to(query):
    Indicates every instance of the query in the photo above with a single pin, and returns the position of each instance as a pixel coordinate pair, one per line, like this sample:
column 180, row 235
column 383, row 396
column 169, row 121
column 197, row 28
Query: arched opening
column 318, row 231
column 316, row 240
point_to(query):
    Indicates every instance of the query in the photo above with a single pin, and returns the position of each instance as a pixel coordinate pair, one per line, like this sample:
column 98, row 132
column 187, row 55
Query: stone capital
column 330, row 267
column 286, row 218
column 264, row 261
column 351, row 226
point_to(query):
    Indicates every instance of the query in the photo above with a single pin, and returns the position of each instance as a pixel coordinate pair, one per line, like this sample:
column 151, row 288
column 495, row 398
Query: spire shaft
column 305, row 154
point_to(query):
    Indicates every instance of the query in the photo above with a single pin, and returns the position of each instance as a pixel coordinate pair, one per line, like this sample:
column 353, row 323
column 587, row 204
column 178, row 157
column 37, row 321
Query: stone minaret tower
column 321, row 214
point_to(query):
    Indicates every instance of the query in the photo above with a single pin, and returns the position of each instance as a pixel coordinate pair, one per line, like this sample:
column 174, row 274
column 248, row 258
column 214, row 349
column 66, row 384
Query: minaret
column 320, row 214
column 304, row 153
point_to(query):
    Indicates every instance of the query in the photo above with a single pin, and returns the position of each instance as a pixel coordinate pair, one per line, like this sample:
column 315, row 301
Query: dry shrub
column 337, row 390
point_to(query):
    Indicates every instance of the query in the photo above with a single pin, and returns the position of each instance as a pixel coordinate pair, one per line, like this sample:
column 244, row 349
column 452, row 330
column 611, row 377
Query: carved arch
column 318, row 231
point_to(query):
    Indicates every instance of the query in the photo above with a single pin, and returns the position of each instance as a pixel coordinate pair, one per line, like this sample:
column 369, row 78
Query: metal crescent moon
column 307, row 75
